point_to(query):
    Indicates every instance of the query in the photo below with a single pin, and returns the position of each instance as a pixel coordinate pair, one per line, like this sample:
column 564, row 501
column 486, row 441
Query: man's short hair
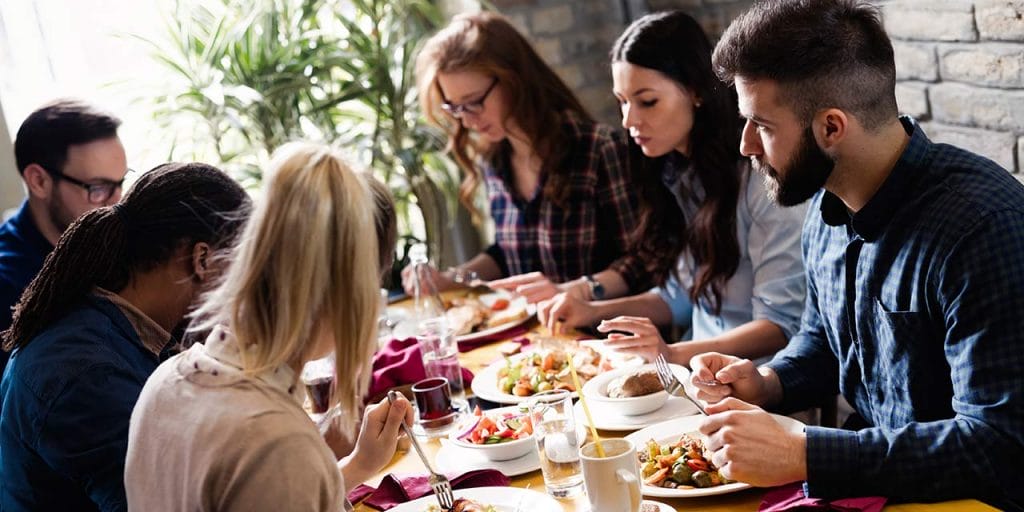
column 822, row 53
column 46, row 134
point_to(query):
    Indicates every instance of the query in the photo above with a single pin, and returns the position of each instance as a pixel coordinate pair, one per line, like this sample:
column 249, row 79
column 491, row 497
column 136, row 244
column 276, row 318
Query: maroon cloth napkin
column 399, row 362
column 792, row 497
column 397, row 489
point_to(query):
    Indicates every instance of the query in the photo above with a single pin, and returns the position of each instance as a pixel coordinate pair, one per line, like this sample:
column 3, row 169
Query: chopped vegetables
column 544, row 370
column 497, row 428
column 681, row 464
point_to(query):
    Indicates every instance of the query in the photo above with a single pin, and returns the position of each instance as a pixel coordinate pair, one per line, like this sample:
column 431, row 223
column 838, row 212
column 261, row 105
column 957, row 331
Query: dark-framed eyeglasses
column 99, row 192
column 470, row 107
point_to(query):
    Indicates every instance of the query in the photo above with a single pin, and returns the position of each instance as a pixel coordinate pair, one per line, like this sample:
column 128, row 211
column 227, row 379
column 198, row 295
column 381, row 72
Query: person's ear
column 830, row 128
column 39, row 182
column 201, row 256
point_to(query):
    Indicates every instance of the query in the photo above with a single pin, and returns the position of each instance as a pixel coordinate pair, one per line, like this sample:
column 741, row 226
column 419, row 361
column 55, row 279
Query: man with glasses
column 71, row 160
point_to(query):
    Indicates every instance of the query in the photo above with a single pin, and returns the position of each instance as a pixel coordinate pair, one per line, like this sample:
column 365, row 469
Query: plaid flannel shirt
column 915, row 308
column 589, row 235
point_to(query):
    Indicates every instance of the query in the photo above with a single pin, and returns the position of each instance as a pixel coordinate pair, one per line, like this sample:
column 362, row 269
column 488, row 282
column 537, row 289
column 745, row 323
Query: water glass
column 558, row 443
column 441, row 354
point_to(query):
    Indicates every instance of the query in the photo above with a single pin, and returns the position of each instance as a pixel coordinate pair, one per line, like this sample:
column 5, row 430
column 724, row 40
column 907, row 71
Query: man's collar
column 26, row 228
column 875, row 215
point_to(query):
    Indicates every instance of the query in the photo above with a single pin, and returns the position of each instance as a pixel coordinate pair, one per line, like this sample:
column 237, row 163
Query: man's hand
column 442, row 280
column 534, row 286
column 717, row 376
column 748, row 445
column 565, row 311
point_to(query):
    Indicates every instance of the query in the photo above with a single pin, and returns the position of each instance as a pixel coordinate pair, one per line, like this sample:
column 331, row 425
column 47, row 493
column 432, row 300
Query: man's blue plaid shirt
column 915, row 308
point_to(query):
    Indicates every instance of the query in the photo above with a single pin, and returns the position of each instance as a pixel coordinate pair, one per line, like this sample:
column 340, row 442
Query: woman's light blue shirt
column 769, row 282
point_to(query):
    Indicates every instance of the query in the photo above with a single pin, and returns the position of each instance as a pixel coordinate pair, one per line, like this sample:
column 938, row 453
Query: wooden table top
column 405, row 461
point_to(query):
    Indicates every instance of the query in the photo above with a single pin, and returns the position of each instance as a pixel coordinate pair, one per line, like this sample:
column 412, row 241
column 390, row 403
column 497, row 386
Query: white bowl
column 496, row 452
column 596, row 393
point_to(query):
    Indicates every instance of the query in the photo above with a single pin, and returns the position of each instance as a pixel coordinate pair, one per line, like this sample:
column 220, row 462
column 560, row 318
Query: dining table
column 475, row 360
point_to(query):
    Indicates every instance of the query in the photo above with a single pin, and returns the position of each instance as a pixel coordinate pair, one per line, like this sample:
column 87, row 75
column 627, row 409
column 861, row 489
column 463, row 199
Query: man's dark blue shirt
column 22, row 252
column 915, row 313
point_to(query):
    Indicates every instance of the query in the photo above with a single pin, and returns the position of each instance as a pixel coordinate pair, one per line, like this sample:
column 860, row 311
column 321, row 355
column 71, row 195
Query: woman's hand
column 378, row 438
column 534, row 286
column 643, row 339
column 565, row 311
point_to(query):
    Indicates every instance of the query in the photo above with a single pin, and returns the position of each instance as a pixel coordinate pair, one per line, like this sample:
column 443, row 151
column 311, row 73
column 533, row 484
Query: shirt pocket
column 907, row 379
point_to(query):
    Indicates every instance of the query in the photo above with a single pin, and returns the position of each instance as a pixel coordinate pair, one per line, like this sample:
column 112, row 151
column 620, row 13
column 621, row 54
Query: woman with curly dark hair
column 726, row 257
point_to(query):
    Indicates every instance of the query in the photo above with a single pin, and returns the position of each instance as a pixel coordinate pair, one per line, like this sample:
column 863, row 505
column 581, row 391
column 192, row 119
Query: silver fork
column 438, row 483
column 672, row 384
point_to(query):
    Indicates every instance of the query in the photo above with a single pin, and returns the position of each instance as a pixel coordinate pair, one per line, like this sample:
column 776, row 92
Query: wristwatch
column 596, row 288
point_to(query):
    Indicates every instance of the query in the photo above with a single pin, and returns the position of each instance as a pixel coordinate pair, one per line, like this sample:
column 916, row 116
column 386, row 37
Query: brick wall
column 959, row 63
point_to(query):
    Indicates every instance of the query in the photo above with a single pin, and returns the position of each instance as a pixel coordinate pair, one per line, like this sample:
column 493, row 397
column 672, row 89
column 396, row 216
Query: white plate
column 515, row 301
column 606, row 418
column 661, row 506
column 505, row 499
column 406, row 325
column 669, row 431
column 485, row 383
column 452, row 458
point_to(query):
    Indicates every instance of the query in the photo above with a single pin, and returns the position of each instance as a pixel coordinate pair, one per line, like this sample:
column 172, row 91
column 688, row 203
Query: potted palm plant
column 248, row 76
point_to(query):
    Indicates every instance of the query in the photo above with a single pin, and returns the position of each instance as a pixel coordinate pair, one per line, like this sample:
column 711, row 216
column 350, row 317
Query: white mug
column 613, row 481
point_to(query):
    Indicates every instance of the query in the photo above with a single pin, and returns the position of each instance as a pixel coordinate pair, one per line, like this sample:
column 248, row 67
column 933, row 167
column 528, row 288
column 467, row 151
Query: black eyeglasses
column 471, row 107
column 98, row 193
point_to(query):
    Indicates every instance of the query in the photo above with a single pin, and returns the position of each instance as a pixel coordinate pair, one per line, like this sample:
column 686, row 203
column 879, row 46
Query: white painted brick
column 912, row 99
column 550, row 49
column 988, row 64
column 552, row 20
column 997, row 146
column 1020, row 154
column 943, row 20
column 915, row 61
column 967, row 105
column 1000, row 19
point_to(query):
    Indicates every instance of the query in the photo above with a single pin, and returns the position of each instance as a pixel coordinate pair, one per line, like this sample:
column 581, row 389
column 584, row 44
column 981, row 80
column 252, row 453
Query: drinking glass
column 318, row 377
column 441, row 354
column 558, row 443
column 433, row 402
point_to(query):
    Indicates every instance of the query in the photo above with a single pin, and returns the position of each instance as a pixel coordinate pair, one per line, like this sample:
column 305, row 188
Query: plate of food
column 515, row 379
column 674, row 462
column 487, row 499
column 472, row 316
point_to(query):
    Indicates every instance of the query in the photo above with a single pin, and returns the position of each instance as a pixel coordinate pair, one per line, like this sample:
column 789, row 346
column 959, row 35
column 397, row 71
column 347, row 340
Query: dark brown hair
column 674, row 44
column 385, row 221
column 823, row 54
column 171, row 205
column 538, row 100
column 44, row 136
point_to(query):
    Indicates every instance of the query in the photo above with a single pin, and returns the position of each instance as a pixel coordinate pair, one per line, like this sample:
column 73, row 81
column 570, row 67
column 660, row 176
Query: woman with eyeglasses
column 557, row 182
column 727, row 257
column 94, row 324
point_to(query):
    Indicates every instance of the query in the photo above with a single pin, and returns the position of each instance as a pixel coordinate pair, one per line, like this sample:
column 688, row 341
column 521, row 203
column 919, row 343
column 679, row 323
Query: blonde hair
column 305, row 264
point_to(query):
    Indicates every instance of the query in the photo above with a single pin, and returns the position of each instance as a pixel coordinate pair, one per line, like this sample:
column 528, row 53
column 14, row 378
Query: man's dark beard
column 805, row 175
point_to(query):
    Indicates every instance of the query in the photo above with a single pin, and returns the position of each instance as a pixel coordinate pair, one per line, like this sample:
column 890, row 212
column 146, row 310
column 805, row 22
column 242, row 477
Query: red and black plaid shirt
column 591, row 234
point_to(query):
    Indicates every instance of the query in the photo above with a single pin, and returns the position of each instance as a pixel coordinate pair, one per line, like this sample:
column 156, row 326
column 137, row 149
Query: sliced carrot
column 657, row 477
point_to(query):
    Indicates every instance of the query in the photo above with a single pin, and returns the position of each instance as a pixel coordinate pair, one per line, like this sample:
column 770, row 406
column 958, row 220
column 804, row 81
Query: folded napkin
column 397, row 489
column 792, row 497
column 399, row 362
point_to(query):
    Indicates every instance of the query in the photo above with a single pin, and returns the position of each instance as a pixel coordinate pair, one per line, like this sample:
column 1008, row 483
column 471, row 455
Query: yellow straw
column 586, row 410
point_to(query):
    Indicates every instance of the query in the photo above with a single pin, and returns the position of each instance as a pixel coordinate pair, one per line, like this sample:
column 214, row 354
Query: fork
column 438, row 483
column 672, row 384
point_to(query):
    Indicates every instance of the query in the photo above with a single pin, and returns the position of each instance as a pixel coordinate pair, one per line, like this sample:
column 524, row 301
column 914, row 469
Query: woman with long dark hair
column 726, row 257
column 557, row 182
column 91, row 327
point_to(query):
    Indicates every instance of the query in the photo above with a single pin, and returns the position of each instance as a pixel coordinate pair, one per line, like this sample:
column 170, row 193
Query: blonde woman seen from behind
column 221, row 426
